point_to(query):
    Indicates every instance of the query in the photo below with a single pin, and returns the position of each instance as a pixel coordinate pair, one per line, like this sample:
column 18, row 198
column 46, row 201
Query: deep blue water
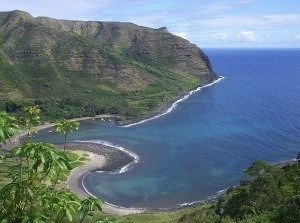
column 203, row 145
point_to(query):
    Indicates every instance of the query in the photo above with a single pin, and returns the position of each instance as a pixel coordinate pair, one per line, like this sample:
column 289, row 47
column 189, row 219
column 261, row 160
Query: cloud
column 247, row 35
column 181, row 34
column 258, row 22
column 230, row 22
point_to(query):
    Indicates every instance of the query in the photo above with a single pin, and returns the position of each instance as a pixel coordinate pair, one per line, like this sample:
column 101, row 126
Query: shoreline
column 79, row 187
column 102, row 158
column 101, row 162
column 168, row 106
column 109, row 164
column 15, row 140
column 107, row 158
column 105, row 162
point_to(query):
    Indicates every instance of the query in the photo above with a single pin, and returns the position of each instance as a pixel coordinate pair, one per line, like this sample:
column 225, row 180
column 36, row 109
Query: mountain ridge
column 84, row 67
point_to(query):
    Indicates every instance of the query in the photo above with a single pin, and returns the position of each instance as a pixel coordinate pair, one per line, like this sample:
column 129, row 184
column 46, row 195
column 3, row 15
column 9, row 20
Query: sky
column 207, row 23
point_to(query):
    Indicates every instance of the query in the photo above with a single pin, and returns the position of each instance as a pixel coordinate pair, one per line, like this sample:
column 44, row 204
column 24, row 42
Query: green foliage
column 205, row 215
column 268, row 188
column 81, row 72
column 27, row 191
column 31, row 119
column 271, row 194
column 8, row 126
column 66, row 127
column 31, row 194
column 89, row 205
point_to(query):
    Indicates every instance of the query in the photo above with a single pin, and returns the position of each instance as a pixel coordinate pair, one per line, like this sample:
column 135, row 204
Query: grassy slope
column 155, row 217
column 75, row 74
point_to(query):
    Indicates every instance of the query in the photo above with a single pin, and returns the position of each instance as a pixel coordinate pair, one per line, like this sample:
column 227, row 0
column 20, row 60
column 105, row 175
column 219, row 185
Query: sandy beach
column 101, row 157
column 74, row 182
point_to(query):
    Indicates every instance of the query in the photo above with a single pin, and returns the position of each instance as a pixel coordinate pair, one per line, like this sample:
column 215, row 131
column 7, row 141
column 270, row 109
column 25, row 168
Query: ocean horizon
column 206, row 142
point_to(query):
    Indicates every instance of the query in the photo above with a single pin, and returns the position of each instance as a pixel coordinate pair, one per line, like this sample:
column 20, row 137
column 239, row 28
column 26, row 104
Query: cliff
column 78, row 68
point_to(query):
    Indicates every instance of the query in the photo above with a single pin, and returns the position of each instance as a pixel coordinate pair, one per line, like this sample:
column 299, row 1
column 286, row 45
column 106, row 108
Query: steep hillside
column 76, row 68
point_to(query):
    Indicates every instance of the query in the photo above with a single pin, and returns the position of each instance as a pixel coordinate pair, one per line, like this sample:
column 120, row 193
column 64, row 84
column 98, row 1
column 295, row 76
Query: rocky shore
column 114, row 158
column 101, row 158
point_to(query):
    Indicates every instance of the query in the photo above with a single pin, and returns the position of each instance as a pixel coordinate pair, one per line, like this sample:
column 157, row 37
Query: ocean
column 204, row 144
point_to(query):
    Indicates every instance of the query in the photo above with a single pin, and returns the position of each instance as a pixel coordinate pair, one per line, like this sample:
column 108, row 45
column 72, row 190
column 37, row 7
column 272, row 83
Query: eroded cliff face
column 47, row 56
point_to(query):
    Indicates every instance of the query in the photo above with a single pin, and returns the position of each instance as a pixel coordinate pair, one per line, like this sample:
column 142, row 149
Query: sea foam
column 106, row 143
column 174, row 105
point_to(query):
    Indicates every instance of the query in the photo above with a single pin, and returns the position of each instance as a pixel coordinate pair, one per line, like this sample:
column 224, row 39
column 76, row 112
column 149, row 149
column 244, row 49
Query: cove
column 205, row 143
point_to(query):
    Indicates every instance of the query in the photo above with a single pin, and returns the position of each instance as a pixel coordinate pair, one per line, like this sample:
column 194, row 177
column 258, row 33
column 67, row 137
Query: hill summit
column 76, row 68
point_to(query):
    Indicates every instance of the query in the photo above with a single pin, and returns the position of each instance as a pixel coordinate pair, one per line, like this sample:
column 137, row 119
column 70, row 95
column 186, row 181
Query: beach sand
column 102, row 157
column 74, row 182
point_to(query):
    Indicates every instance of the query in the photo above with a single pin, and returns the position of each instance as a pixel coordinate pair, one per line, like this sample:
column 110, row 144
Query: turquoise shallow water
column 204, row 144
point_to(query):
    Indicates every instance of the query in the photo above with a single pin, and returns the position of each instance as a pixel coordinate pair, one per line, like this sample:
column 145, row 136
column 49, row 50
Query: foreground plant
column 8, row 127
column 32, row 195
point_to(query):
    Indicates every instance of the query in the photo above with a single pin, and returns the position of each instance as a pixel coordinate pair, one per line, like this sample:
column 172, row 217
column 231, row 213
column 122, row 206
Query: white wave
column 106, row 143
column 174, row 105
column 188, row 203
column 218, row 194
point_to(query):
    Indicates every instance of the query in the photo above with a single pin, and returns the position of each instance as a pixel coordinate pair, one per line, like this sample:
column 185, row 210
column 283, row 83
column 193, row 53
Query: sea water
column 204, row 144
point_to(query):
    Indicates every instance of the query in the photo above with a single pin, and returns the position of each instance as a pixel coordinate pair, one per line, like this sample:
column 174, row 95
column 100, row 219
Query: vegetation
column 31, row 193
column 31, row 188
column 271, row 194
column 66, row 127
column 73, row 69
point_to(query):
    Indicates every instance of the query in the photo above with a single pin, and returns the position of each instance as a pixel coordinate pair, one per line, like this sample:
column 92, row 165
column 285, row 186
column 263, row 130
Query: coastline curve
column 174, row 104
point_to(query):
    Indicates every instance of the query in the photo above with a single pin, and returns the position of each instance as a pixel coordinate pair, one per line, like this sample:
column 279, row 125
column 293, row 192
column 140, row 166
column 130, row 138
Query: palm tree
column 32, row 119
column 66, row 127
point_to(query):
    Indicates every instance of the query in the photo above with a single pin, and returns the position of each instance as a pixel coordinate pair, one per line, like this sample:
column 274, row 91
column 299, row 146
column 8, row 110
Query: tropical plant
column 31, row 119
column 31, row 194
column 8, row 126
column 89, row 205
column 66, row 127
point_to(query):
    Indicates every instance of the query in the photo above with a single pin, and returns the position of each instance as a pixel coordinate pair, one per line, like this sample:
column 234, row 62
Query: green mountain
column 76, row 68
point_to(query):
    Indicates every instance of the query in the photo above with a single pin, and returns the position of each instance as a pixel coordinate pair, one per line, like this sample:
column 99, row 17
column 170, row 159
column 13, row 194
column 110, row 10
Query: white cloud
column 297, row 37
column 247, row 35
column 231, row 22
column 181, row 34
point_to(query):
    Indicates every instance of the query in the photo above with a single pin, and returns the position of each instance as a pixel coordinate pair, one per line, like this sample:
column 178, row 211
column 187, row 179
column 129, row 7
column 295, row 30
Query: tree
column 66, row 127
column 22, row 198
column 8, row 127
column 32, row 119
column 89, row 205
column 31, row 194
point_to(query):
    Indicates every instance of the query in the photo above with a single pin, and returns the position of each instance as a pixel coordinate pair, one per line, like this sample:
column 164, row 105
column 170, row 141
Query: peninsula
column 79, row 68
